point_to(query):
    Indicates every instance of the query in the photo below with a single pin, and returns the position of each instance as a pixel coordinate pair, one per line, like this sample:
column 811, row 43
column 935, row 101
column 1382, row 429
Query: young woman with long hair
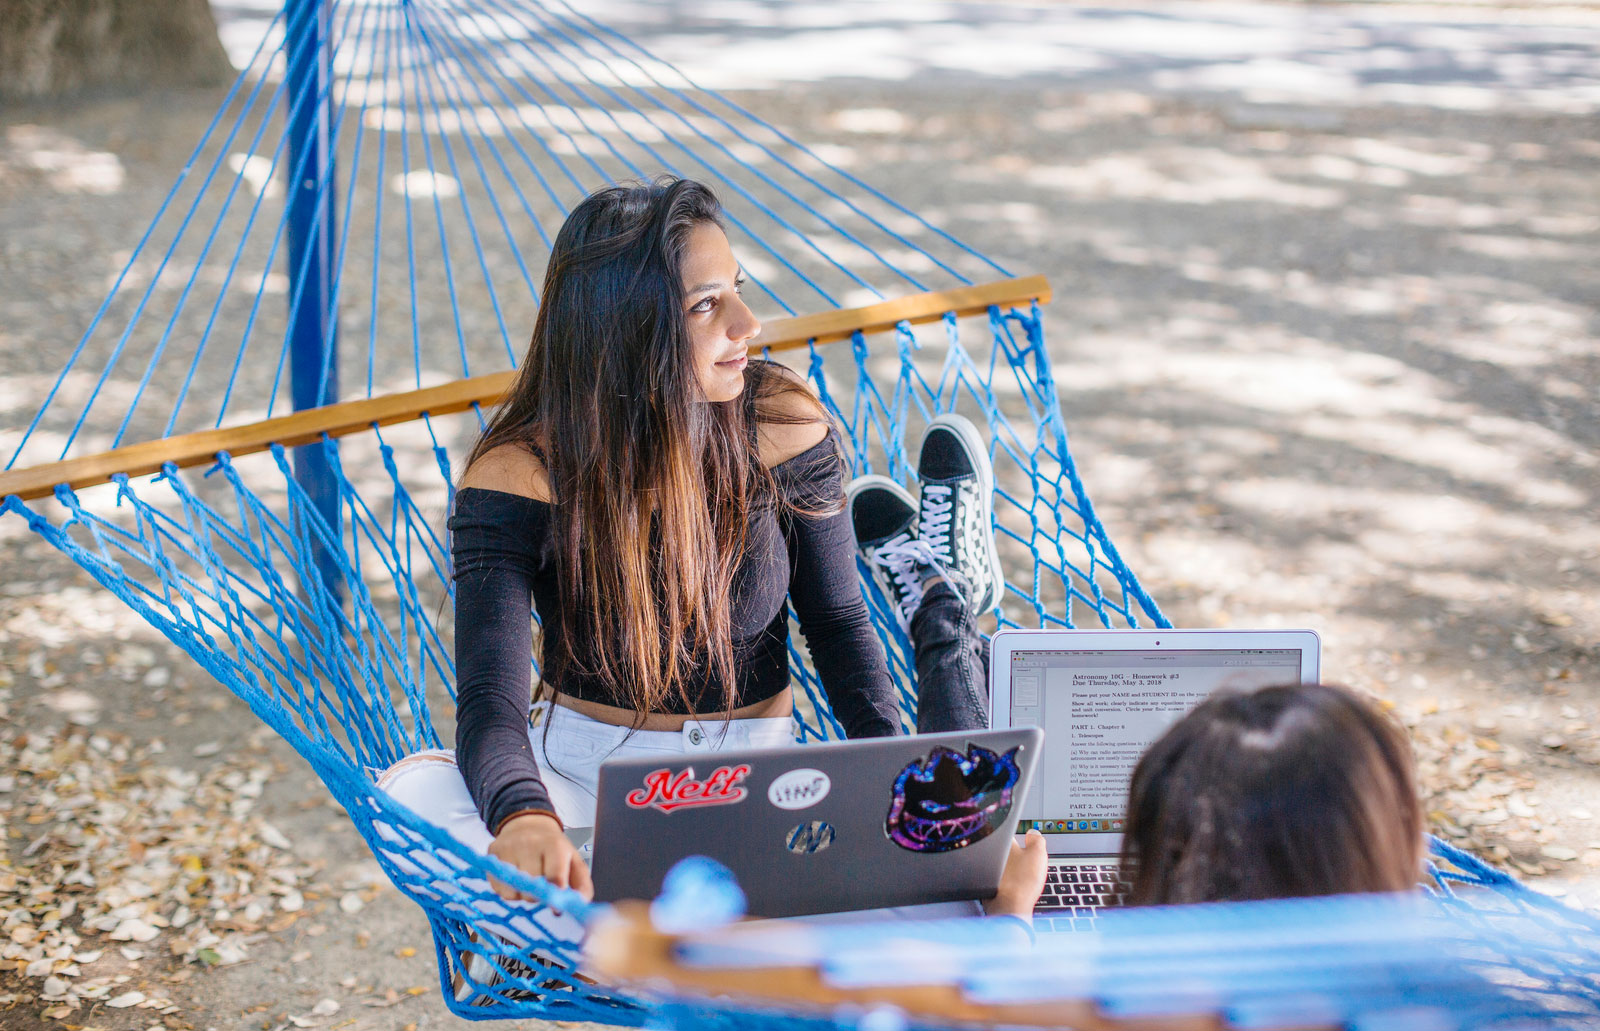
column 663, row 500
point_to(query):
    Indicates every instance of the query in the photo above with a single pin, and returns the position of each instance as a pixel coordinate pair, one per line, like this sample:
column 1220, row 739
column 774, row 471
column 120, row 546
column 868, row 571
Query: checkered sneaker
column 484, row 980
column 482, row 973
column 884, row 516
column 911, row 562
column 895, row 565
column 956, row 517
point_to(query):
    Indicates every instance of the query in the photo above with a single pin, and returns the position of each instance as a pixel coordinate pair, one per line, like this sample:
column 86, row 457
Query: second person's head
column 1279, row 792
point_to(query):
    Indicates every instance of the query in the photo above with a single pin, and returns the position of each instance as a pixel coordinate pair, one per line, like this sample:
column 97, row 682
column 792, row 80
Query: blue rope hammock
column 357, row 235
column 1358, row 961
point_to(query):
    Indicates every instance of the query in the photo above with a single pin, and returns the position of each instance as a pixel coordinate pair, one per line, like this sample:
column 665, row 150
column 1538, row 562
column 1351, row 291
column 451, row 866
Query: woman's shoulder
column 789, row 418
column 509, row 469
column 501, row 511
column 781, row 443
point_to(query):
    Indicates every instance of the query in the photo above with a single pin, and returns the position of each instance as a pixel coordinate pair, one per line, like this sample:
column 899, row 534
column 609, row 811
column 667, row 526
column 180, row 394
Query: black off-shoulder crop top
column 504, row 556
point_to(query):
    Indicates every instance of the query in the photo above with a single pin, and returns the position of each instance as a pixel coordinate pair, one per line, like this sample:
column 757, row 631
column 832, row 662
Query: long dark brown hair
column 1302, row 789
column 651, row 484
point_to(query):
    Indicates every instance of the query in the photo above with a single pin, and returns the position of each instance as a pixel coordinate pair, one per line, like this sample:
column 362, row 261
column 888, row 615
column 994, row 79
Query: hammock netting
column 365, row 215
column 1414, row 961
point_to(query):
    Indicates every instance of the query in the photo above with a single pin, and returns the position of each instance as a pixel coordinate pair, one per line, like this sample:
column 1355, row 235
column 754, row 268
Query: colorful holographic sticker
column 948, row 801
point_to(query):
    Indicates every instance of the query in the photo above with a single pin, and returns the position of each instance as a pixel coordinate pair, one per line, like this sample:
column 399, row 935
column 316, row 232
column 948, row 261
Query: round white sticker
column 799, row 789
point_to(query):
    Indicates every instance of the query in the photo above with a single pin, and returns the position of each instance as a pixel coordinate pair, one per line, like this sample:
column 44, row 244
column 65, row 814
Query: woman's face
column 720, row 326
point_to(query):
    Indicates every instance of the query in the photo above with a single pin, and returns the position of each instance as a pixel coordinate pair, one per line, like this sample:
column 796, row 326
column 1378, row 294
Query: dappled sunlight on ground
column 1180, row 176
column 1442, row 57
column 62, row 161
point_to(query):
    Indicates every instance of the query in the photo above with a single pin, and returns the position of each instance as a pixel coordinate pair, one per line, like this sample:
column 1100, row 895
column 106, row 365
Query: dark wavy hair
column 651, row 483
column 1297, row 790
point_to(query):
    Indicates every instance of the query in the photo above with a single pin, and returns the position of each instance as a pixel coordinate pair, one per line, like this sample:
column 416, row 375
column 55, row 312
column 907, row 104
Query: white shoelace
column 899, row 558
column 934, row 519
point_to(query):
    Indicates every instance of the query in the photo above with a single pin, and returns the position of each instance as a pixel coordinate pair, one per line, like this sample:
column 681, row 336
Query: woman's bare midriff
column 780, row 704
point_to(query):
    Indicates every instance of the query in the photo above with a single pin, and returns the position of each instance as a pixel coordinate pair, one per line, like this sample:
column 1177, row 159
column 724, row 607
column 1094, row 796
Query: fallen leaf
column 134, row 929
column 272, row 836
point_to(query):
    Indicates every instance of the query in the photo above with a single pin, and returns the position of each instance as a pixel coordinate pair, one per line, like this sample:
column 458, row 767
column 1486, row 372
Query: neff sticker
column 665, row 791
column 799, row 789
column 948, row 801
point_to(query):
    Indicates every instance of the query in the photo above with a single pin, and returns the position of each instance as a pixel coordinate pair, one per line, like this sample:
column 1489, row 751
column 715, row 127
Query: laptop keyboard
column 1075, row 891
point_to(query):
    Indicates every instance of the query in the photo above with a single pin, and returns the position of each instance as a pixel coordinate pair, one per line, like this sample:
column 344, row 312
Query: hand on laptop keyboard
column 1078, row 889
column 1022, row 881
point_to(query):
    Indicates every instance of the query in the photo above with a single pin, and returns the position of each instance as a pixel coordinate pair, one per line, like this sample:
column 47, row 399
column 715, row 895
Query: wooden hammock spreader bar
column 625, row 949
column 345, row 417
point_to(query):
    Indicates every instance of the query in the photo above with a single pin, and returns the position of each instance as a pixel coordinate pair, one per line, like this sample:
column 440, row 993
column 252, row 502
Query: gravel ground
column 1329, row 359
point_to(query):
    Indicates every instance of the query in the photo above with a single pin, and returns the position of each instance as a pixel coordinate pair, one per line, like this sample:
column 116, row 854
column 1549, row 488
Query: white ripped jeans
column 569, row 748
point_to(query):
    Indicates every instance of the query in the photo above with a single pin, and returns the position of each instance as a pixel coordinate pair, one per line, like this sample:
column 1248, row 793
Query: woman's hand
column 1022, row 881
column 535, row 844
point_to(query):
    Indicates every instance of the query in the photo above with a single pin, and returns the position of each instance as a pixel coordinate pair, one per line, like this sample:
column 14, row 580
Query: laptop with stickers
column 1102, row 697
column 825, row 828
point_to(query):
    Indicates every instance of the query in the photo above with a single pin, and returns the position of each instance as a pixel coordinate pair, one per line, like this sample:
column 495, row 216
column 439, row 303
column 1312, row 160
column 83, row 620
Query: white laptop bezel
column 1007, row 641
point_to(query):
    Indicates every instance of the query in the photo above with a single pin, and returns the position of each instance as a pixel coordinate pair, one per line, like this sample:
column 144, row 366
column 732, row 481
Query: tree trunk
column 50, row 48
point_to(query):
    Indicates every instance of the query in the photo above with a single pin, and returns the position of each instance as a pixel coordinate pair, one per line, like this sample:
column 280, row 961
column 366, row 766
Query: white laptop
column 1102, row 697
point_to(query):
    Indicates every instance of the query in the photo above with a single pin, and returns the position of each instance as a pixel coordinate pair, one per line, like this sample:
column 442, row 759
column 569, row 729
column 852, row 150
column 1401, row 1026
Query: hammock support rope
column 300, row 558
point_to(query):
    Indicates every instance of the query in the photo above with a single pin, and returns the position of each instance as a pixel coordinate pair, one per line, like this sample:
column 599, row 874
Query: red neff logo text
column 666, row 792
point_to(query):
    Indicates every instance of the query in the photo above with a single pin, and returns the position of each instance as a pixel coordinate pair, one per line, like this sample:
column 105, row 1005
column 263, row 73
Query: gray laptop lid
column 824, row 828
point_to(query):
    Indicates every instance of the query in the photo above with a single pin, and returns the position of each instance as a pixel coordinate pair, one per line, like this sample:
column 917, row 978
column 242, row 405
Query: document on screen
column 1100, row 711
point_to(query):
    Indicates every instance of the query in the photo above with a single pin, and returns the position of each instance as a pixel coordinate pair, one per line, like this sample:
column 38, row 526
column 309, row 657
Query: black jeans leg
column 952, row 664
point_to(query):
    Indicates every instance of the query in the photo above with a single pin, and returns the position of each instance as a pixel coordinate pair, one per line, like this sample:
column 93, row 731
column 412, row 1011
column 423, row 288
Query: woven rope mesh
column 456, row 136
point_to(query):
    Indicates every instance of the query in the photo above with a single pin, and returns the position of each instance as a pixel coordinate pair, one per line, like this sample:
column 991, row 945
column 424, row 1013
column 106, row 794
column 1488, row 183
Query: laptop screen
column 1100, row 710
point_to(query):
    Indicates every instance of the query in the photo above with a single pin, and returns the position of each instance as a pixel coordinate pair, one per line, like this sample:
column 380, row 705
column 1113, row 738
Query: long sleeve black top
column 504, row 557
